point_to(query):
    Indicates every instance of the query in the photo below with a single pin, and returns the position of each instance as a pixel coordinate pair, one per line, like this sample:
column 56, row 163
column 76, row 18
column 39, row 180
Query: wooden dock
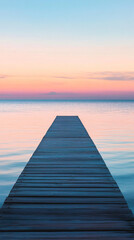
column 66, row 192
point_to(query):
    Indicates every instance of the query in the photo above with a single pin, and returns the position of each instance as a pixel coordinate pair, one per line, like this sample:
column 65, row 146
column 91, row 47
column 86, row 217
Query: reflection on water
column 110, row 124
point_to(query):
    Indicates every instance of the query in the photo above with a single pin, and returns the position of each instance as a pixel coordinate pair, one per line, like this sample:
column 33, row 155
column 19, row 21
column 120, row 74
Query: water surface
column 109, row 123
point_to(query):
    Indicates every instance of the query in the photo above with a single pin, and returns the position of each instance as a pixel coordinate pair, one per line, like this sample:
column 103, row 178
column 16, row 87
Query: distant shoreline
column 67, row 100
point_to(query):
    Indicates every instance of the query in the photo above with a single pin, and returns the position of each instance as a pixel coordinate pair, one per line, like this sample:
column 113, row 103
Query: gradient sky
column 67, row 49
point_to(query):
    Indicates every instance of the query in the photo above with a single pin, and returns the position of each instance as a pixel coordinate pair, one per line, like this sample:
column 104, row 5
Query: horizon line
column 65, row 99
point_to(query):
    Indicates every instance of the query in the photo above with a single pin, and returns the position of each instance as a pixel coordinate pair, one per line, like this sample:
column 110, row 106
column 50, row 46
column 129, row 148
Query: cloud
column 43, row 94
column 104, row 75
column 64, row 77
column 52, row 93
column 111, row 76
column 3, row 76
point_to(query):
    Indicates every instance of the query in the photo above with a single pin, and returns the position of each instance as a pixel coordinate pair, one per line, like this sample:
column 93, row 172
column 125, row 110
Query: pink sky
column 89, row 85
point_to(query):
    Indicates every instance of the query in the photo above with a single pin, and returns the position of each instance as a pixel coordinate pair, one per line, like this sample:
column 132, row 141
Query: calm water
column 110, row 124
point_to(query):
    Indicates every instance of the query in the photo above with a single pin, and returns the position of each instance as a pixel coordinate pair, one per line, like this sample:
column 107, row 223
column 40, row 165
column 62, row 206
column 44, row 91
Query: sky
column 67, row 49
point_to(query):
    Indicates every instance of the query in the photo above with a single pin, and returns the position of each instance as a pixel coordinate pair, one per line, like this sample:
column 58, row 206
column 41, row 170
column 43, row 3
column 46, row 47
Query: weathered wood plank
column 69, row 175
column 89, row 213
column 77, row 235
column 64, row 194
column 64, row 165
column 59, row 204
column 65, row 225
column 66, row 171
column 67, row 189
column 64, row 199
column 61, row 185
column 81, row 177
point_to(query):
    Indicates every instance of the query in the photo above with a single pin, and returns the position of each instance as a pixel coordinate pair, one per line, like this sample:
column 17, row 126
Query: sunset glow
column 66, row 49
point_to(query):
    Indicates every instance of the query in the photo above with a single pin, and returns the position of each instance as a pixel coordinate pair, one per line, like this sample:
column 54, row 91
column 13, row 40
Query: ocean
column 109, row 123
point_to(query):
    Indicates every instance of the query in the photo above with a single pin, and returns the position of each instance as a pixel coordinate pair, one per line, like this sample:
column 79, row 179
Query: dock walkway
column 66, row 192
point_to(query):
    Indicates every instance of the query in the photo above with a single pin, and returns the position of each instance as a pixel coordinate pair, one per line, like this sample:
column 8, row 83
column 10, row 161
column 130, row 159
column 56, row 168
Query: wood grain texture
column 66, row 192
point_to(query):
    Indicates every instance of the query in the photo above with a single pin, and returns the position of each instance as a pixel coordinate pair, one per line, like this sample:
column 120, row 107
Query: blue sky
column 100, row 20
